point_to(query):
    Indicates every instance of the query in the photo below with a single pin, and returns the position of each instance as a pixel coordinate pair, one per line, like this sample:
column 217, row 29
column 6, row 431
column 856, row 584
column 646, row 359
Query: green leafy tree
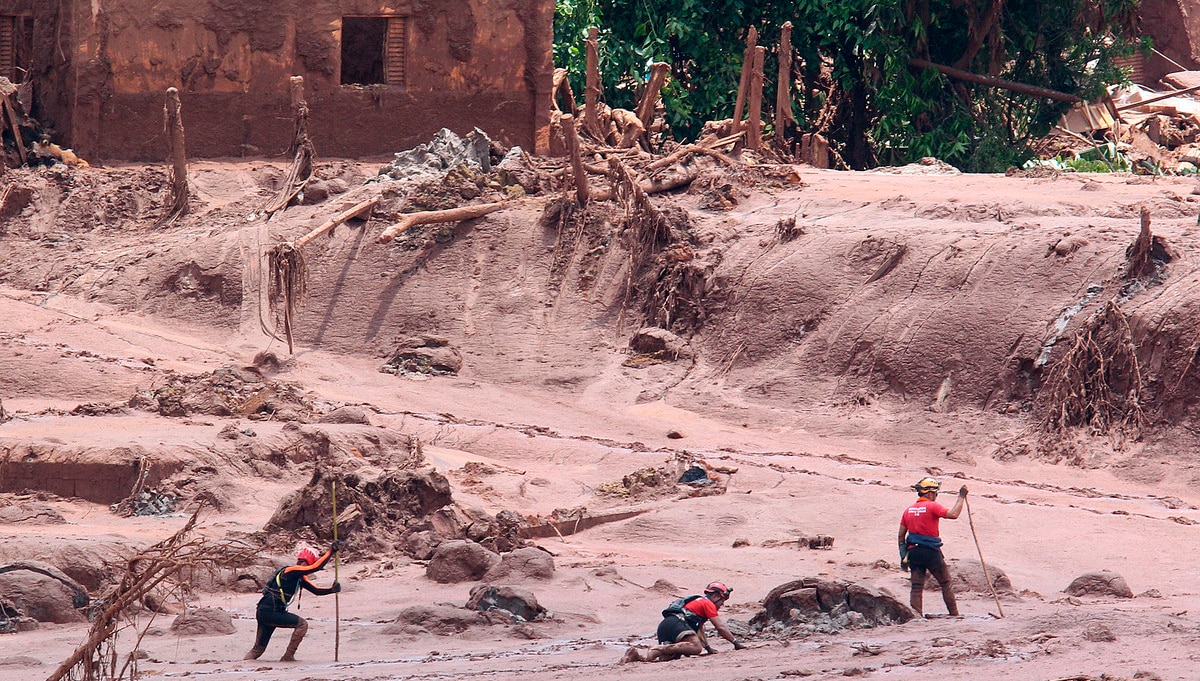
column 857, row 83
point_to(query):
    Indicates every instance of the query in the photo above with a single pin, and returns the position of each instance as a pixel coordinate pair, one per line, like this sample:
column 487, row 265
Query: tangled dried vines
column 1098, row 382
column 288, row 275
column 161, row 568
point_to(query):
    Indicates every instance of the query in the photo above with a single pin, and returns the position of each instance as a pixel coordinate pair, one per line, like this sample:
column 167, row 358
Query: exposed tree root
column 1097, row 384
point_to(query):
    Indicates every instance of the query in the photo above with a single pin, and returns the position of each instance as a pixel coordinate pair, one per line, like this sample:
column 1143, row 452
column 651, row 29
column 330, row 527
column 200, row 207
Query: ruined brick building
column 380, row 75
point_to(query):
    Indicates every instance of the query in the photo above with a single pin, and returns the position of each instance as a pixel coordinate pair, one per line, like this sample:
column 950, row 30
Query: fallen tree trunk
column 430, row 217
column 352, row 212
column 991, row 81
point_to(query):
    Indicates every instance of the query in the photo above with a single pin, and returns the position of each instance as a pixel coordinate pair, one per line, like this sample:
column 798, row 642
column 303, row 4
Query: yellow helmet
column 926, row 485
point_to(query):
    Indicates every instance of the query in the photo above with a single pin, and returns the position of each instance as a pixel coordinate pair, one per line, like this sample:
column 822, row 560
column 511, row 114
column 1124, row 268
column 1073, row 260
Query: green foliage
column 857, row 85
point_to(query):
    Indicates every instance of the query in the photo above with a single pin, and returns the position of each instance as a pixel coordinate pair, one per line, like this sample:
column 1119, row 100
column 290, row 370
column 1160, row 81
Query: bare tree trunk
column 410, row 220
column 754, row 134
column 581, row 182
column 179, row 181
column 658, row 78
column 783, row 92
column 744, row 84
column 591, row 94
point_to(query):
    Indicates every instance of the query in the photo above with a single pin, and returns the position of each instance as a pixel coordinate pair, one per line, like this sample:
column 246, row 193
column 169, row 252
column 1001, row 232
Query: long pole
column 337, row 619
column 986, row 576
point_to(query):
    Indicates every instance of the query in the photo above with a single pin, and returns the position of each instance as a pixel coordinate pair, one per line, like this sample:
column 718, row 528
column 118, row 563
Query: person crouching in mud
column 277, row 595
column 681, row 631
column 921, row 545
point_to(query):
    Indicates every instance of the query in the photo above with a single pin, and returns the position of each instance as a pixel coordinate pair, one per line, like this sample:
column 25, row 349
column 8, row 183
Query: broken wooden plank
column 563, row 528
column 352, row 212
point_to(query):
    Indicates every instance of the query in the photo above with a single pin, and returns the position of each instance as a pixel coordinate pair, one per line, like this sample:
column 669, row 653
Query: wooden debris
column 754, row 133
column 630, row 127
column 577, row 171
column 744, row 83
column 591, row 93
column 582, row 522
column 178, row 153
column 305, row 155
column 459, row 214
column 658, row 78
column 357, row 210
column 784, row 117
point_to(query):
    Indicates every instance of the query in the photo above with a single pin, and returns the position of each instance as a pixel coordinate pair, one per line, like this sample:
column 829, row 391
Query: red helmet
column 306, row 556
column 718, row 589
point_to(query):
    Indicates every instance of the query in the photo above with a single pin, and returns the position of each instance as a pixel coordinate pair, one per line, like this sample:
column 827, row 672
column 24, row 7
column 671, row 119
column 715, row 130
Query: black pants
column 924, row 561
column 268, row 620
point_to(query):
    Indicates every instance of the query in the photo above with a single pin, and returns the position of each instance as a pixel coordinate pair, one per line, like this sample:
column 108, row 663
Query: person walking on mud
column 921, row 545
column 681, row 631
column 277, row 595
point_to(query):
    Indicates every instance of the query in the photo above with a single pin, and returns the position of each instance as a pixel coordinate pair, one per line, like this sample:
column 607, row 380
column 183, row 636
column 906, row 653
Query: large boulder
column 43, row 592
column 527, row 563
column 203, row 622
column 460, row 561
column 968, row 577
column 518, row 603
column 439, row 619
column 817, row 604
column 1100, row 583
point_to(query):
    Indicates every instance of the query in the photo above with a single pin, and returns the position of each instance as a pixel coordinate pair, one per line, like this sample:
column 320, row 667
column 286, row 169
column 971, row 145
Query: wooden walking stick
column 337, row 620
column 986, row 576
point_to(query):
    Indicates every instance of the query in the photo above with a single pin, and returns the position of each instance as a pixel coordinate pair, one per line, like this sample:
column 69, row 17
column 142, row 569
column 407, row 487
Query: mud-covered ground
column 841, row 336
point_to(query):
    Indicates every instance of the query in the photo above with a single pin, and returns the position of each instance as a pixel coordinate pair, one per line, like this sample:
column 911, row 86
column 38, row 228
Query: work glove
column 335, row 546
column 337, row 587
column 904, row 563
column 737, row 645
column 903, row 555
column 962, row 491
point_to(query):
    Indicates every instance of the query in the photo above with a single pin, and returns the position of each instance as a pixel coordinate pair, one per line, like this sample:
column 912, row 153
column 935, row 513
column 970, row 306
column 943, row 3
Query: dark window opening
column 374, row 51
column 16, row 47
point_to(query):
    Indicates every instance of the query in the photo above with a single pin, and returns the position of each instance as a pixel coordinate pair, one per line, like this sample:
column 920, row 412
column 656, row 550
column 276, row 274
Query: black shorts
column 672, row 629
column 925, row 557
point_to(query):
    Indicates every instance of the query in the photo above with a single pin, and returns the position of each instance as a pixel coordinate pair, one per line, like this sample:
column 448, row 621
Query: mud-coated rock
column 356, row 415
column 526, row 563
column 968, row 577
column 439, row 619
column 460, row 561
column 517, row 602
column 203, row 622
column 1100, row 583
column 655, row 341
column 42, row 597
column 813, row 597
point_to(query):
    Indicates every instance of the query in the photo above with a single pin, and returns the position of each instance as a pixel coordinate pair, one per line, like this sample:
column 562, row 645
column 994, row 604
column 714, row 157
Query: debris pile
column 22, row 139
column 682, row 476
column 227, row 392
column 813, row 605
column 402, row 507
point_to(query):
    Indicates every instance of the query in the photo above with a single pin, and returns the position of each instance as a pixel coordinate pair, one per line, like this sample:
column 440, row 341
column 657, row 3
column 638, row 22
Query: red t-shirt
column 702, row 607
column 922, row 517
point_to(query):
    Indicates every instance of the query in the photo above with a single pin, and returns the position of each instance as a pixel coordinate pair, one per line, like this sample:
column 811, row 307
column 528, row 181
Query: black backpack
column 676, row 607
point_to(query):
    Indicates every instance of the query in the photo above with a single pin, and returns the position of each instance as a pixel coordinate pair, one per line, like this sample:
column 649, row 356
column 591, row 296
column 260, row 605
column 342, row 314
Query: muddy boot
column 254, row 653
column 631, row 655
column 301, row 629
column 916, row 594
column 948, row 597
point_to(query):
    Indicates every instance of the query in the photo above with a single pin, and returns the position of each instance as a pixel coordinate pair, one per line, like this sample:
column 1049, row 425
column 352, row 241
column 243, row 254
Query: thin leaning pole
column 986, row 576
column 337, row 619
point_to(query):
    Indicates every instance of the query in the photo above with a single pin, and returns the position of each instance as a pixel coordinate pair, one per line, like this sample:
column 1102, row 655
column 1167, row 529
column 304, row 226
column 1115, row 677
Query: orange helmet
column 717, row 589
column 306, row 556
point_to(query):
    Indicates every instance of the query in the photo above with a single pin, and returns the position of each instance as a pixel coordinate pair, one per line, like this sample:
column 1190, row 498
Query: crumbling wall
column 471, row 63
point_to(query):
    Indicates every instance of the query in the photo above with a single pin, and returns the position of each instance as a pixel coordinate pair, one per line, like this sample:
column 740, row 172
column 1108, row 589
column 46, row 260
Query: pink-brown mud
column 815, row 372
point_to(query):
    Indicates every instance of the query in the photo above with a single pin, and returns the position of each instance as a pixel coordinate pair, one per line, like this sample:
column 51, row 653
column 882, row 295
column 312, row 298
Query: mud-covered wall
column 1174, row 25
column 469, row 63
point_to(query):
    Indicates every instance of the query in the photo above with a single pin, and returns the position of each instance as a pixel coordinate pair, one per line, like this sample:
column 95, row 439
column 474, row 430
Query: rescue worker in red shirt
column 277, row 595
column 681, row 631
column 921, row 545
